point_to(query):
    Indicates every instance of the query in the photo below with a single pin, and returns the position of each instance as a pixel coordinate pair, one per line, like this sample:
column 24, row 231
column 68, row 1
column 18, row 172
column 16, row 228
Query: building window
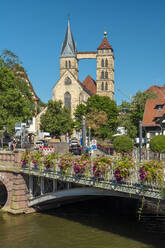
column 102, row 75
column 69, row 64
column 66, row 64
column 67, row 100
column 102, row 62
column 106, row 86
column 68, row 81
column 102, row 86
column 106, row 75
column 106, row 63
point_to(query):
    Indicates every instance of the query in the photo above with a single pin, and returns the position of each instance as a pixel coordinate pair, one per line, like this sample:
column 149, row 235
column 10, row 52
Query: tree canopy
column 16, row 105
column 57, row 119
column 101, row 115
column 130, row 113
column 15, row 96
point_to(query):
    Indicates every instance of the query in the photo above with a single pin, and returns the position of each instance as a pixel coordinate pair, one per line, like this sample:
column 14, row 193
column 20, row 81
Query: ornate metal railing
column 132, row 186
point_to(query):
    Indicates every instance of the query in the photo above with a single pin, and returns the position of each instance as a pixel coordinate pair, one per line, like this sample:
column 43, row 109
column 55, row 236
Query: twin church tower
column 69, row 89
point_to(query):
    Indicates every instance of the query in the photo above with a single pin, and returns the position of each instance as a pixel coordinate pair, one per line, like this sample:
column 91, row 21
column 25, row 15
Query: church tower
column 68, row 59
column 105, row 69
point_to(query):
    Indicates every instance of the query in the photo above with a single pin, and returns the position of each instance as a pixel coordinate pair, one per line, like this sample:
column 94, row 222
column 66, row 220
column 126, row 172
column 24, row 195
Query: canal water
column 96, row 223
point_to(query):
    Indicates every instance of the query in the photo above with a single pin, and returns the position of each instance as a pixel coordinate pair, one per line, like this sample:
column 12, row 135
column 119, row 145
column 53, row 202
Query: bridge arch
column 6, row 186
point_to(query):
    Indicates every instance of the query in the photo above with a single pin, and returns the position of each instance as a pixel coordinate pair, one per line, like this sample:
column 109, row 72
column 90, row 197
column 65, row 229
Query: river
column 97, row 223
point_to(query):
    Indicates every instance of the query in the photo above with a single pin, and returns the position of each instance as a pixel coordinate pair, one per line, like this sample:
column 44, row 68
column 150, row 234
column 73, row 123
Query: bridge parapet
column 8, row 157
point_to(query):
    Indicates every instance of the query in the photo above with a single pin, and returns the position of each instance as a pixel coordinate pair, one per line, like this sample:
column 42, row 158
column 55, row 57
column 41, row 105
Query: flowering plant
column 152, row 171
column 48, row 160
column 81, row 164
column 36, row 158
column 65, row 163
column 101, row 166
column 123, row 167
column 25, row 158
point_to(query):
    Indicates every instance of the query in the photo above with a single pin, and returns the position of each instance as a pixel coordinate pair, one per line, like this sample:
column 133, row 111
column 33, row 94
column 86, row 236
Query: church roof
column 104, row 44
column 90, row 84
column 69, row 47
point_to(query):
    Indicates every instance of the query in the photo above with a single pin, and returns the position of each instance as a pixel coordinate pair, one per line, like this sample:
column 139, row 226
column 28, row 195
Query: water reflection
column 98, row 223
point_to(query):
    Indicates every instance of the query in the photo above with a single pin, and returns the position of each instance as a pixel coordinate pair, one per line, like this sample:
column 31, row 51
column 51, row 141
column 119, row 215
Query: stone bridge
column 24, row 190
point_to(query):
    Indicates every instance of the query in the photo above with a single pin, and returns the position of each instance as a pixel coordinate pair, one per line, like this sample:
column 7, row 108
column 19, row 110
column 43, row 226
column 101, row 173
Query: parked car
column 75, row 148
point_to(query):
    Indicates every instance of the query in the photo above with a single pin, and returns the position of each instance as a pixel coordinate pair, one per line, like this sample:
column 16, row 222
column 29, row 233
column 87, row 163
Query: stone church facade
column 69, row 89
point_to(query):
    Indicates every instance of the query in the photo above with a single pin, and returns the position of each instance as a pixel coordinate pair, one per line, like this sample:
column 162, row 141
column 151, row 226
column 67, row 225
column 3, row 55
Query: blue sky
column 35, row 29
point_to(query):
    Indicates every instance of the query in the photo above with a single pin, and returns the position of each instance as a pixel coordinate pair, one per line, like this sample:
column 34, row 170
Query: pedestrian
column 11, row 146
column 14, row 144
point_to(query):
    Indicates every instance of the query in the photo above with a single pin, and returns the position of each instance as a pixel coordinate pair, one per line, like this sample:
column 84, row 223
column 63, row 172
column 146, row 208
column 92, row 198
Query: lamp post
column 89, row 135
column 140, row 141
column 83, row 135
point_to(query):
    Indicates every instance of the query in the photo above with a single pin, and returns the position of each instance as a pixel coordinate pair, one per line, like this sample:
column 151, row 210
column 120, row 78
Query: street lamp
column 83, row 135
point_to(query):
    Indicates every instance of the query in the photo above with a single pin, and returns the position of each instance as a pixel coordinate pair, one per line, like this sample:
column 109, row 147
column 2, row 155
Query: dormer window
column 159, row 107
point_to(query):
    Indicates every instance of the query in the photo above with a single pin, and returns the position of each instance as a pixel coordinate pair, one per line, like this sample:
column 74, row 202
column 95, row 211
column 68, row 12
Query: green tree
column 130, row 113
column 157, row 144
column 79, row 112
column 57, row 119
column 101, row 114
column 123, row 144
column 15, row 106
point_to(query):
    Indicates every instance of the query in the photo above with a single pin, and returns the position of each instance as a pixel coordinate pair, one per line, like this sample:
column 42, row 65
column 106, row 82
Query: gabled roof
column 90, row 84
column 151, row 112
column 81, row 84
column 69, row 47
column 158, row 90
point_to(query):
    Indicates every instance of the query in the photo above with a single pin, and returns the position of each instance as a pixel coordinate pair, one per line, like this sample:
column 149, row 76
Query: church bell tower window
column 102, row 75
column 106, row 75
column 106, row 86
column 106, row 63
column 102, row 63
column 102, row 86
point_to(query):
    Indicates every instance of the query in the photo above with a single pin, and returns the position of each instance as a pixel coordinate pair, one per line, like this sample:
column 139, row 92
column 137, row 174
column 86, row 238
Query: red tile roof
column 158, row 90
column 90, row 84
column 104, row 44
column 151, row 112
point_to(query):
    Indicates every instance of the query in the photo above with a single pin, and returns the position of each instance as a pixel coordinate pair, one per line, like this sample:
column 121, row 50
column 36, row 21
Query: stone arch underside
column 62, row 195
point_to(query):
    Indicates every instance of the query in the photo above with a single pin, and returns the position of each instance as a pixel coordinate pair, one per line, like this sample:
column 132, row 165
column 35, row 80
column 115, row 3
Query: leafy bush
column 157, row 144
column 123, row 144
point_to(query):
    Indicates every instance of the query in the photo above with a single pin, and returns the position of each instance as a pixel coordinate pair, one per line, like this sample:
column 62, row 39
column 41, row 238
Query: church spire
column 69, row 47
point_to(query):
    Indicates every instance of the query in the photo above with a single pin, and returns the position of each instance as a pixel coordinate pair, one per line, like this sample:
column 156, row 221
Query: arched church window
column 68, row 81
column 66, row 64
column 102, row 75
column 102, row 62
column 106, row 86
column 102, row 86
column 106, row 75
column 69, row 64
column 67, row 100
column 106, row 63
